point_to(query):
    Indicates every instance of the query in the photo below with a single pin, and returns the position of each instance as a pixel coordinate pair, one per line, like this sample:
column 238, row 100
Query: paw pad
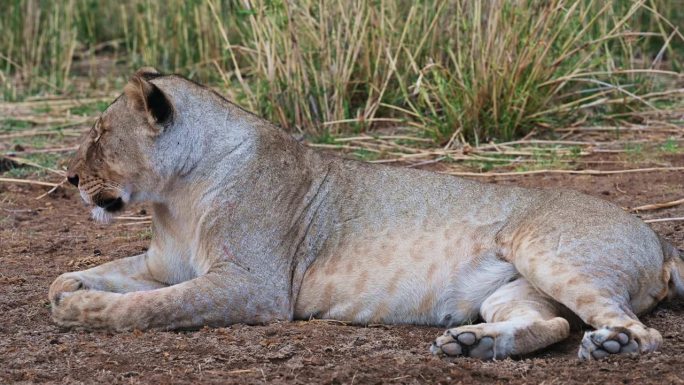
column 601, row 343
column 456, row 343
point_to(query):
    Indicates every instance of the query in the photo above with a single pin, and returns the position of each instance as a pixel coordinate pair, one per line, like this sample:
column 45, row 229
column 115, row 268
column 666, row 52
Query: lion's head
column 114, row 164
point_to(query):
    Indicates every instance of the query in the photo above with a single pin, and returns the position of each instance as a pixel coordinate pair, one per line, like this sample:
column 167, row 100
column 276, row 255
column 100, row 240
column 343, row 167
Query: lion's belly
column 433, row 278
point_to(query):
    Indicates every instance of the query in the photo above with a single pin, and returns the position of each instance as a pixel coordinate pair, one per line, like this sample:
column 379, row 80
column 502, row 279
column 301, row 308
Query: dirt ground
column 39, row 239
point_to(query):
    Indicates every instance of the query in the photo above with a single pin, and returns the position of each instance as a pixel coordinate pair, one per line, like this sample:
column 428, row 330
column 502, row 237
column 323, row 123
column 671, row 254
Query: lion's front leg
column 119, row 276
column 214, row 299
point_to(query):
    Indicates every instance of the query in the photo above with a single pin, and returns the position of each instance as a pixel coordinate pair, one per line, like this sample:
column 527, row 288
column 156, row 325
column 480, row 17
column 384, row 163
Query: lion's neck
column 251, row 174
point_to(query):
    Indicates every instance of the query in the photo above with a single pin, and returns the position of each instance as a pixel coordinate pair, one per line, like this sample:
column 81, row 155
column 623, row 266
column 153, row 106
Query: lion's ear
column 144, row 96
column 147, row 73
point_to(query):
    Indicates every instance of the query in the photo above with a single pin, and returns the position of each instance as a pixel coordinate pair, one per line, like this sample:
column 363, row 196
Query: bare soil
column 40, row 239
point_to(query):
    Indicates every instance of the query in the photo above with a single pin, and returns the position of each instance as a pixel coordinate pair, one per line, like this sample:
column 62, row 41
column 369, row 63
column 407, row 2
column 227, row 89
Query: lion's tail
column 677, row 273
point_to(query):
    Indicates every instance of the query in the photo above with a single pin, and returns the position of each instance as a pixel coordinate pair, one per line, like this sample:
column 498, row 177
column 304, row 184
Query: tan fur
column 251, row 226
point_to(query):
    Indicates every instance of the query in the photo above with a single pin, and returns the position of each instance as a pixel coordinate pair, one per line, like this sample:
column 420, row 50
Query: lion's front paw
column 85, row 308
column 65, row 283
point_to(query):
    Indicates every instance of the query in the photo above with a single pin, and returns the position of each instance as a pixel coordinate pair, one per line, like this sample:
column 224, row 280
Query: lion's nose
column 73, row 179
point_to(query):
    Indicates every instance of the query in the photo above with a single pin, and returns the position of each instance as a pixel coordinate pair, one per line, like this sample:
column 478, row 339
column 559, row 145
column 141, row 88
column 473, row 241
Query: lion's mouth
column 110, row 204
column 107, row 203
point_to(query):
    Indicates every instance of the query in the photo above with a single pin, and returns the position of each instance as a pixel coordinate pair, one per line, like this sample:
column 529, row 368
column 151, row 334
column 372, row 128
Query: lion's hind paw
column 603, row 342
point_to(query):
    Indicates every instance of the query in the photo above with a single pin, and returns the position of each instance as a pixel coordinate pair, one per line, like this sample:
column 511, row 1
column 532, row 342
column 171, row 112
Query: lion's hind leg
column 519, row 320
column 604, row 293
column 618, row 330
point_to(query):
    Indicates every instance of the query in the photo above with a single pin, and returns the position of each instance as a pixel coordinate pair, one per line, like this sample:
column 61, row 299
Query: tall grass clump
column 453, row 70
column 38, row 42
column 470, row 70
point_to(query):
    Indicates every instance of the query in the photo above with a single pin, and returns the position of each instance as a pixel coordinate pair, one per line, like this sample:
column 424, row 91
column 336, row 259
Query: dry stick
column 385, row 145
column 664, row 220
column 656, row 206
column 368, row 137
column 408, row 157
column 329, row 321
column 527, row 153
column 32, row 164
column 56, row 101
column 621, row 129
column 240, row 371
column 43, row 120
column 494, row 146
column 29, row 181
column 395, row 145
column 578, row 172
column 129, row 218
column 41, row 196
column 340, row 147
column 358, row 120
column 43, row 150
column 137, row 223
column 37, row 133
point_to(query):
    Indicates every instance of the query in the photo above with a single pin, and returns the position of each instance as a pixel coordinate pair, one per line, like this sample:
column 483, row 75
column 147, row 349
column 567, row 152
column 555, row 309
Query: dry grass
column 452, row 71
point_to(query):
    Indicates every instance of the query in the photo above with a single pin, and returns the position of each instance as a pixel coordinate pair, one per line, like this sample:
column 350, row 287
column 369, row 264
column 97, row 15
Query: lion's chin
column 101, row 215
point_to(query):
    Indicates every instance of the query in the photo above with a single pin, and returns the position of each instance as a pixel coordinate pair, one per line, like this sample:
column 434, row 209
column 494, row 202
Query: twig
column 534, row 141
column 142, row 218
column 345, row 121
column 577, row 172
column 44, row 132
column 29, row 181
column 54, row 102
column 41, row 196
column 32, row 164
column 43, row 150
column 393, row 137
column 329, row 321
column 664, row 220
column 656, row 206
column 621, row 129
column 240, row 371
column 42, row 120
column 134, row 223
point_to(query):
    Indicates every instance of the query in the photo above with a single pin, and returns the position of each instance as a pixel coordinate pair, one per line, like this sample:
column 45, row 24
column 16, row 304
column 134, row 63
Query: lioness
column 251, row 226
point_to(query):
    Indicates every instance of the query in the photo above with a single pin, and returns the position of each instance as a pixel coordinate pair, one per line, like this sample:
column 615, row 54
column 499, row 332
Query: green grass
column 17, row 146
column 635, row 152
column 670, row 146
column 90, row 109
column 365, row 155
column 454, row 71
column 493, row 161
column 11, row 125
column 45, row 160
